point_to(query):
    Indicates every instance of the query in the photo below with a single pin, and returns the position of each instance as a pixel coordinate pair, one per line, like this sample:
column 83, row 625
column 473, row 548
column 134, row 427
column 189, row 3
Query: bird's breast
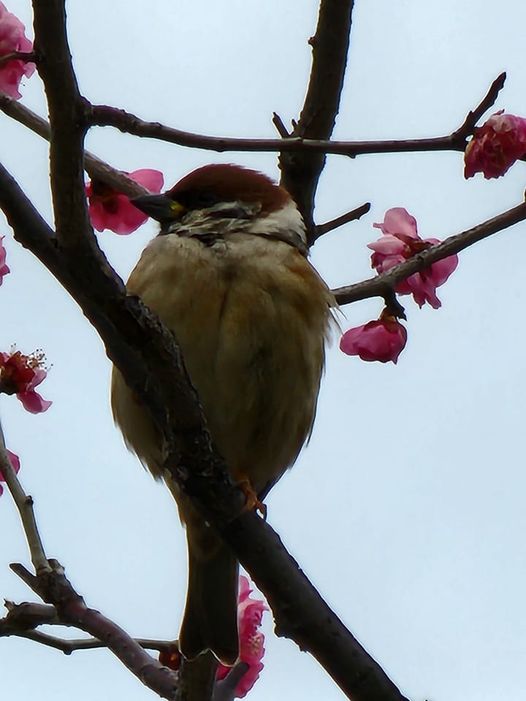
column 251, row 317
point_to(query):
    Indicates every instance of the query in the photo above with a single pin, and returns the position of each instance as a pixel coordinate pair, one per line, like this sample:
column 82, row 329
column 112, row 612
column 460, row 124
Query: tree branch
column 384, row 284
column 25, row 56
column 354, row 214
column 68, row 125
column 24, row 504
column 149, row 359
column 103, row 115
column 96, row 168
column 473, row 116
column 22, row 619
column 300, row 173
column 53, row 587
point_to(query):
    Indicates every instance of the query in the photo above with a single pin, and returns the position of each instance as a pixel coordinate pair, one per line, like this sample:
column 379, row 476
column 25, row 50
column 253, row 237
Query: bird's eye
column 203, row 199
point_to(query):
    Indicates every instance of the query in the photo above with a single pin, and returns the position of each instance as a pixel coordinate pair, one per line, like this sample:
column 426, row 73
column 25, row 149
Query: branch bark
column 300, row 173
column 53, row 587
column 148, row 357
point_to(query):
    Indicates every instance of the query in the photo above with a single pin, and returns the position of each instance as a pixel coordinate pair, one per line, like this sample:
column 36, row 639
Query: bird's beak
column 159, row 207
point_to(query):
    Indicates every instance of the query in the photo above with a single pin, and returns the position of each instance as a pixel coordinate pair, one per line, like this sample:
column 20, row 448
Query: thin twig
column 24, row 504
column 354, row 214
column 473, row 116
column 280, row 126
column 25, row 56
column 54, row 588
column 70, row 646
column 225, row 690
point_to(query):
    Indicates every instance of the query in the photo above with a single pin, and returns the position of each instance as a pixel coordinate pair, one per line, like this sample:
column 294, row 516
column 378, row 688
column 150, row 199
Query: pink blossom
column 110, row 209
column 12, row 38
column 400, row 241
column 15, row 464
column 495, row 146
column 20, row 374
column 381, row 340
column 4, row 269
column 251, row 640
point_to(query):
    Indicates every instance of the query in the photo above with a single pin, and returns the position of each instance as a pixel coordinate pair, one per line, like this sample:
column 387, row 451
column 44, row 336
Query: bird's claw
column 252, row 502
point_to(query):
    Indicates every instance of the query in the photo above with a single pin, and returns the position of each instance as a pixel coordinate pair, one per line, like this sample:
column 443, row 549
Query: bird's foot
column 252, row 499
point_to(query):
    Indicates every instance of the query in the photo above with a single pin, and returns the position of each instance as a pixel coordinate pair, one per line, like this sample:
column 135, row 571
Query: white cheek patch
column 286, row 219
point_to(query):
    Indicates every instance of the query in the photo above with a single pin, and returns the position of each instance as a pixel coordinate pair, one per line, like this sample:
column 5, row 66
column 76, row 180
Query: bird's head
column 226, row 198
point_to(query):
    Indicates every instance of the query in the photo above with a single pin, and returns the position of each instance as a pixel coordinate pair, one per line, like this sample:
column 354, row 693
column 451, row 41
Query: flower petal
column 398, row 221
column 382, row 340
column 33, row 402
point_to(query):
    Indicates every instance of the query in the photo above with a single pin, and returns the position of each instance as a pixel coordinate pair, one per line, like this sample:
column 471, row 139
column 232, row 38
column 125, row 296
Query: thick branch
column 67, row 121
column 330, row 46
column 383, row 285
column 151, row 363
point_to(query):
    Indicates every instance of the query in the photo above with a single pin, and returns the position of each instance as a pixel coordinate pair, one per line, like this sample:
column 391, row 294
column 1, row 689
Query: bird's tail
column 210, row 616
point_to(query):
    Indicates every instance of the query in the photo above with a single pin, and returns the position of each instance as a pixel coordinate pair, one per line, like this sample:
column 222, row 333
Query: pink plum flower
column 251, row 640
column 400, row 241
column 15, row 464
column 110, row 209
column 12, row 38
column 382, row 340
column 495, row 146
column 4, row 269
column 20, row 374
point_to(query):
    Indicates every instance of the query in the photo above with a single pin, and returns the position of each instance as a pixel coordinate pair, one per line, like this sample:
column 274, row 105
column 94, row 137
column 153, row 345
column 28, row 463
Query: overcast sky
column 407, row 508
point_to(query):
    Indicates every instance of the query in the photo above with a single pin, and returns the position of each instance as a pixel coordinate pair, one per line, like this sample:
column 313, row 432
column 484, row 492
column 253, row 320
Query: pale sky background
column 407, row 510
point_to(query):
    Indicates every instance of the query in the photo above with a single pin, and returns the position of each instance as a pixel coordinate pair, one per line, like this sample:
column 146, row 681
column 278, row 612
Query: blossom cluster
column 110, row 209
column 251, row 639
column 495, row 146
column 12, row 40
column 384, row 339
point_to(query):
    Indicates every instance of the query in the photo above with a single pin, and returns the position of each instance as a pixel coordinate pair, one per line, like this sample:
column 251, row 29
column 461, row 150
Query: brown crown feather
column 232, row 183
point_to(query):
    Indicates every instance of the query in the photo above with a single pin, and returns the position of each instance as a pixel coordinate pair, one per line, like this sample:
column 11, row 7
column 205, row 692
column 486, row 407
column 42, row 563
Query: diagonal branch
column 24, row 504
column 96, row 168
column 54, row 588
column 384, row 285
column 354, row 214
column 146, row 354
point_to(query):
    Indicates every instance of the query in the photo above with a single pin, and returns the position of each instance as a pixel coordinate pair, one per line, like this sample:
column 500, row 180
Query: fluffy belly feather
column 251, row 321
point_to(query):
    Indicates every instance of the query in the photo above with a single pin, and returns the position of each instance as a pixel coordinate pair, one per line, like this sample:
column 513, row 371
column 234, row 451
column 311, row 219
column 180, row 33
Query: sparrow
column 228, row 274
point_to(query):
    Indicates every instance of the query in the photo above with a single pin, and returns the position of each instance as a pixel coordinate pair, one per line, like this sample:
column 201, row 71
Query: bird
column 228, row 273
